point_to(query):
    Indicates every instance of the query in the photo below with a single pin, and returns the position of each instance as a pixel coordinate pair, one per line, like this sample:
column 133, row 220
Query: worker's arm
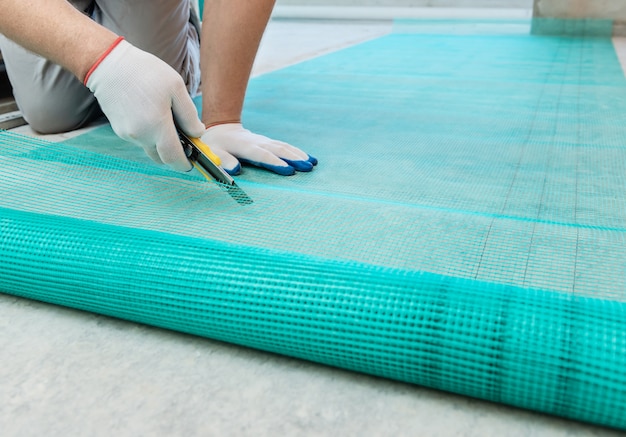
column 55, row 30
column 137, row 91
column 231, row 33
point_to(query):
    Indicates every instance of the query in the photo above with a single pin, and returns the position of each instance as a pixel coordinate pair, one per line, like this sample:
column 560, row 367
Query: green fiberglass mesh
column 464, row 230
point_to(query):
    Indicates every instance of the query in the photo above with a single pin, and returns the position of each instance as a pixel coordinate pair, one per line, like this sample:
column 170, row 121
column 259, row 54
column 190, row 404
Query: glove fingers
column 256, row 155
column 170, row 150
column 230, row 164
column 293, row 156
column 299, row 165
column 267, row 156
column 258, row 150
column 284, row 150
column 153, row 154
column 186, row 115
column 283, row 170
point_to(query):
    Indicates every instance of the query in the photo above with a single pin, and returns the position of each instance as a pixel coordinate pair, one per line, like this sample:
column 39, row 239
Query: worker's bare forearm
column 56, row 30
column 231, row 32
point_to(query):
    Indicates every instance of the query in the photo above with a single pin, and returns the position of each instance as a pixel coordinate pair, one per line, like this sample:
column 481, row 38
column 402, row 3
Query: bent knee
column 51, row 117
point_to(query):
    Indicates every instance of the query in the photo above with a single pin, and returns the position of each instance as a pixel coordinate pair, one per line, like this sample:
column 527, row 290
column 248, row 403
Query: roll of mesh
column 464, row 229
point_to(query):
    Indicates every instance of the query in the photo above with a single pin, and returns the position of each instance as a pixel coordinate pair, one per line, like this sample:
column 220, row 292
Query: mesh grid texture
column 464, row 229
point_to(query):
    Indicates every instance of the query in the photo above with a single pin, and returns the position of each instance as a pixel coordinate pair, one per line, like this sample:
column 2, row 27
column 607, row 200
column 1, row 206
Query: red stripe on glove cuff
column 101, row 58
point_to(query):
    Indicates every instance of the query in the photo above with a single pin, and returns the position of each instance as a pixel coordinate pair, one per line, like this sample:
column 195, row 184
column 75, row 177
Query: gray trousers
column 53, row 100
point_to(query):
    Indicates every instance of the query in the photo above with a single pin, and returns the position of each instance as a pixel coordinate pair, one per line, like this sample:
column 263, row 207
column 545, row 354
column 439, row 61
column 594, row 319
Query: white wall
column 605, row 9
column 590, row 10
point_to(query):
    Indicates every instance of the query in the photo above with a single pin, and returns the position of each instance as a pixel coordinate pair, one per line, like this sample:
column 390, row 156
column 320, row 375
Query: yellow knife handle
column 206, row 150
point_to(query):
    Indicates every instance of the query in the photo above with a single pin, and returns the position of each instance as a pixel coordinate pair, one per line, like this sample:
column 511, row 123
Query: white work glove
column 138, row 93
column 232, row 143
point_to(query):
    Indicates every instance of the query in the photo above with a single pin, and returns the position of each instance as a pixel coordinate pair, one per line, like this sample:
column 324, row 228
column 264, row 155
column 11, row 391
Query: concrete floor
column 69, row 373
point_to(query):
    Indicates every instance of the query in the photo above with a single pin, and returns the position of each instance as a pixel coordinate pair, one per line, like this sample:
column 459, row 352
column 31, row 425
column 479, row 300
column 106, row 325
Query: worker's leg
column 168, row 29
column 50, row 98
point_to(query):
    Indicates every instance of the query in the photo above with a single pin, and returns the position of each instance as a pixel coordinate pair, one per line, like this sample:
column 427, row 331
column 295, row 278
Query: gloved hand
column 232, row 143
column 138, row 93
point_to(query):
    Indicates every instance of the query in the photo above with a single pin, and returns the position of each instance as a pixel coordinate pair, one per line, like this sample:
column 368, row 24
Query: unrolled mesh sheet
column 464, row 229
